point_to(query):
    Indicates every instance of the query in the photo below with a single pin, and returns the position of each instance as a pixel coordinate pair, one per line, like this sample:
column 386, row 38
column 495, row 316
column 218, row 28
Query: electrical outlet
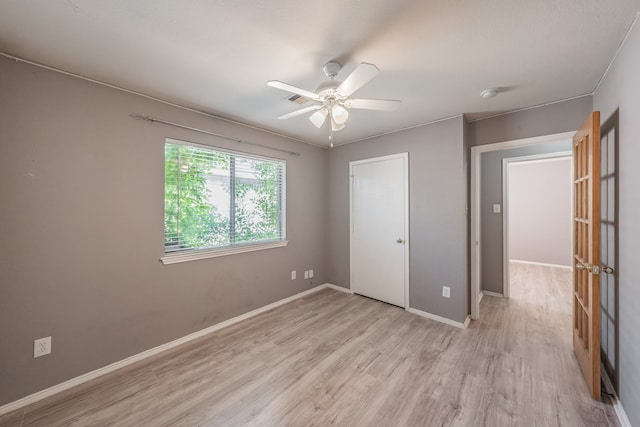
column 446, row 292
column 293, row 275
column 310, row 274
column 41, row 347
column 306, row 274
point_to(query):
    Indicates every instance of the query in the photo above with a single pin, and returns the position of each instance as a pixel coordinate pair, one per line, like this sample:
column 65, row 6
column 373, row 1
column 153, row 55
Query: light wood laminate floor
column 336, row 359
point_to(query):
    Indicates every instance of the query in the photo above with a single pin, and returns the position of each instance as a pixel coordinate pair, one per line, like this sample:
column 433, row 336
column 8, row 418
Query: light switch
column 446, row 292
column 496, row 208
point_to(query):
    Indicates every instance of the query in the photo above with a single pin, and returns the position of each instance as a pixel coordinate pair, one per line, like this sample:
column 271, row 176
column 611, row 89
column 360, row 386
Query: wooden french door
column 586, row 251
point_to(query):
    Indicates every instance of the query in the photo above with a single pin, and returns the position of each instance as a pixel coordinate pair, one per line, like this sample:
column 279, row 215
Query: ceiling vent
column 297, row 99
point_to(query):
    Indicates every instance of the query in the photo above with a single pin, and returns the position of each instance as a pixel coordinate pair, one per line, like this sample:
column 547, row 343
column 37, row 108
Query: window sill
column 212, row 253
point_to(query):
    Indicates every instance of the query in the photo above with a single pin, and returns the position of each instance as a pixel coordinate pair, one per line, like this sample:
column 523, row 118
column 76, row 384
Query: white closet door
column 379, row 229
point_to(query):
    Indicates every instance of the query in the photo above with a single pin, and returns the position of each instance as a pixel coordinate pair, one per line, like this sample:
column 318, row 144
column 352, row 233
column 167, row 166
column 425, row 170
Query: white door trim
column 475, row 240
column 506, row 287
column 405, row 158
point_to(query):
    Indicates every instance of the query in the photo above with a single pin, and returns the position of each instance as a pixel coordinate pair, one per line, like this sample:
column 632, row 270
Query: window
column 220, row 202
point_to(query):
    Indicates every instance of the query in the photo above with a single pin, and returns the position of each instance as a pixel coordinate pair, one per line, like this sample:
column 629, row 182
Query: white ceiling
column 435, row 56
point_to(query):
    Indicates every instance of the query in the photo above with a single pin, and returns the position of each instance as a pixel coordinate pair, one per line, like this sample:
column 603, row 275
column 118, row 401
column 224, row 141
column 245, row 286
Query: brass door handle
column 594, row 269
column 587, row 267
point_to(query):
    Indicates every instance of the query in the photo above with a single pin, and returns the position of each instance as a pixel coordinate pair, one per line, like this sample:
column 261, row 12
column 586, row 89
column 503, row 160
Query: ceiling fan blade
column 301, row 111
column 360, row 76
column 336, row 127
column 319, row 117
column 298, row 91
column 373, row 104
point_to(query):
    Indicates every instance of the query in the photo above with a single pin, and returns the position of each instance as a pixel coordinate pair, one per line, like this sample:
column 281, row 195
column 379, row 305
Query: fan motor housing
column 327, row 88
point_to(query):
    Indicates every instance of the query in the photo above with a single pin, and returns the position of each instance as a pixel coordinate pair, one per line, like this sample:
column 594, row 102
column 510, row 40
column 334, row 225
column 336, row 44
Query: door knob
column 583, row 267
column 594, row 268
column 399, row 240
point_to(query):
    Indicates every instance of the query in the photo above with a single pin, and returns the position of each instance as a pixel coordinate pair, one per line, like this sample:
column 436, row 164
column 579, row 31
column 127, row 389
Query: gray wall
column 491, row 223
column 438, row 222
column 81, row 230
column 620, row 89
column 546, row 120
column 539, row 208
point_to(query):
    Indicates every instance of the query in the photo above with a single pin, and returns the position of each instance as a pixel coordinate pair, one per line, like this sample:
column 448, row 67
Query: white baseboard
column 543, row 264
column 467, row 321
column 480, row 296
column 622, row 416
column 43, row 394
column 492, row 294
column 617, row 405
column 417, row 312
column 339, row 288
column 440, row 318
column 32, row 398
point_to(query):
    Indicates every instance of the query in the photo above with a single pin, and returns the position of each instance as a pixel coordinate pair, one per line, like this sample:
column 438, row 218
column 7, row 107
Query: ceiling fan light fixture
column 336, row 126
column 332, row 99
column 319, row 117
column 339, row 114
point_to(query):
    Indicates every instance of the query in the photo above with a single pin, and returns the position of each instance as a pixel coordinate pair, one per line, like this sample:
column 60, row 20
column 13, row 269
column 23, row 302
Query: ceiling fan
column 331, row 98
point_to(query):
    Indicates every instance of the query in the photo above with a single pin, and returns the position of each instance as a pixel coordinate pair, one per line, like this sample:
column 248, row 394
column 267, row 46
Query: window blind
column 219, row 199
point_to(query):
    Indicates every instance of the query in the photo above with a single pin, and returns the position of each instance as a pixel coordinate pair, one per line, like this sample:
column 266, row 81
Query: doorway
column 604, row 243
column 379, row 233
column 481, row 207
column 537, row 194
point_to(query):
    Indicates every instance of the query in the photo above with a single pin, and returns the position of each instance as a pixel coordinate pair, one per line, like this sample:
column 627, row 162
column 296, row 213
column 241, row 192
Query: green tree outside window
column 216, row 199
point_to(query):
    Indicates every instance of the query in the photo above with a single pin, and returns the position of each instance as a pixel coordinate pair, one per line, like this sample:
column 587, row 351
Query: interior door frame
column 475, row 240
column 405, row 159
column 506, row 287
column 613, row 382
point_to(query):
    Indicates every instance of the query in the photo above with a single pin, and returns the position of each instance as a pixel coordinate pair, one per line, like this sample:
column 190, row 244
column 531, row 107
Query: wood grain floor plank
column 12, row 419
column 337, row 359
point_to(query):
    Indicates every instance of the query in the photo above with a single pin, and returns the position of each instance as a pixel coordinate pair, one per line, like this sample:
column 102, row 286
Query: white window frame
column 197, row 254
